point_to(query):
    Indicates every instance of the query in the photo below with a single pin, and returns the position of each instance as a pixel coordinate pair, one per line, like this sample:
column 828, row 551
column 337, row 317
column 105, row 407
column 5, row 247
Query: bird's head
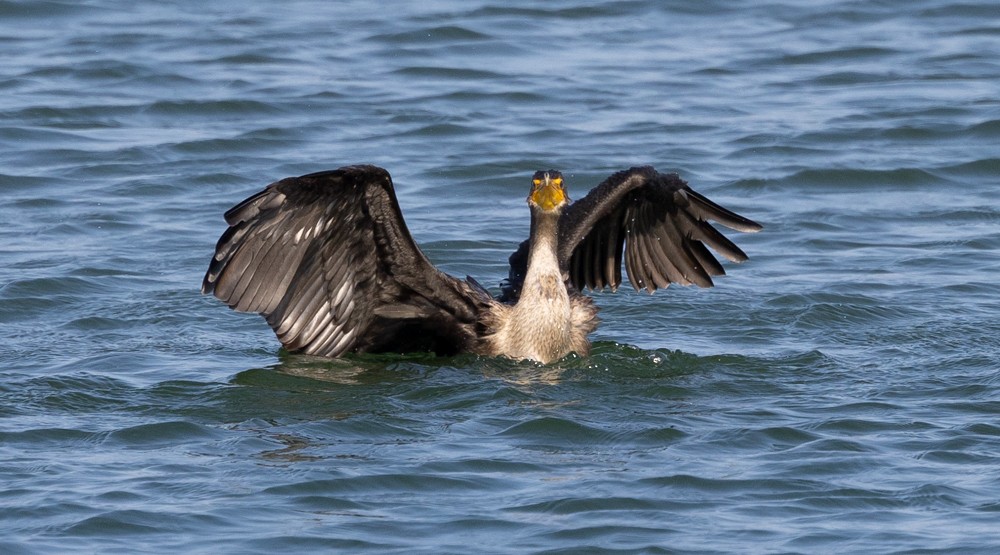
column 547, row 191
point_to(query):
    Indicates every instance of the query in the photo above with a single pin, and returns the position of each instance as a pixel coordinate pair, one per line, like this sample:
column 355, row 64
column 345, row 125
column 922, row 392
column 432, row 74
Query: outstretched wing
column 327, row 259
column 653, row 222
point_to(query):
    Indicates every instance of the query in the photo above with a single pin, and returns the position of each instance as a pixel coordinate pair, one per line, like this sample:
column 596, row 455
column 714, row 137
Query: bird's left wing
column 652, row 222
column 327, row 259
column 655, row 224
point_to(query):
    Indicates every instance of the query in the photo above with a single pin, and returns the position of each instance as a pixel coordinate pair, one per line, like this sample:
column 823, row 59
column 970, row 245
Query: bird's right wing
column 327, row 259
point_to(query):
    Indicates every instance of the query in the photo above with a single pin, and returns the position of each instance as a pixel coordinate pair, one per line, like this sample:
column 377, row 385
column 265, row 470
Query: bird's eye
column 536, row 182
column 557, row 182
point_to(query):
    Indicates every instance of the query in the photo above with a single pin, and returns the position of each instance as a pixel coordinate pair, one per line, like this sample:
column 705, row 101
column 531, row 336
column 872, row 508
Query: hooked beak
column 547, row 191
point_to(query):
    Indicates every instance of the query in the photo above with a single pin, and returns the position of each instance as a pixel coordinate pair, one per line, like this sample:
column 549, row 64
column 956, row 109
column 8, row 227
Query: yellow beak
column 548, row 193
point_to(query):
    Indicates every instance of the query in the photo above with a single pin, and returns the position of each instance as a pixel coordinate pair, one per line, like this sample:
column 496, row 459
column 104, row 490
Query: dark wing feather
column 665, row 226
column 327, row 259
column 653, row 223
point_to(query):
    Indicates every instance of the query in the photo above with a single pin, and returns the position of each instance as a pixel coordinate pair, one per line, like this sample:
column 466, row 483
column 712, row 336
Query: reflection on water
column 368, row 369
column 292, row 450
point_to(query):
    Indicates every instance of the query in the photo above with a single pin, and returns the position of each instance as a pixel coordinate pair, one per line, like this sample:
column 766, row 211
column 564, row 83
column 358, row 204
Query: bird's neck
column 543, row 245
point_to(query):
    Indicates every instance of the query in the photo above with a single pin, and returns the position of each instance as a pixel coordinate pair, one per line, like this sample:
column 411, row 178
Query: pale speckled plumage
column 548, row 322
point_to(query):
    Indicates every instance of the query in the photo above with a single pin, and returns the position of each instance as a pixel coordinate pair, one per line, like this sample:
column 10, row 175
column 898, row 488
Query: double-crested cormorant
column 327, row 259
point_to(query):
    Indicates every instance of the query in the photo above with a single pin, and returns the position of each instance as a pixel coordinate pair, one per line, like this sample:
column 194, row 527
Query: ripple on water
column 837, row 392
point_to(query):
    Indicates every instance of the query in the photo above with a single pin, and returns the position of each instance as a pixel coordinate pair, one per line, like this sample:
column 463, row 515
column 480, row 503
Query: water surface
column 837, row 393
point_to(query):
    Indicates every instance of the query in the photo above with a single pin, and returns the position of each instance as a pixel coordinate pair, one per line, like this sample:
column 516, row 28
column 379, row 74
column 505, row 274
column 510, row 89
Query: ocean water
column 839, row 392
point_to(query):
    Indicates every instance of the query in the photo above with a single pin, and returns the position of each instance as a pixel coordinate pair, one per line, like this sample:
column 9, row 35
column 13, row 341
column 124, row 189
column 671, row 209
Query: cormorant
column 327, row 259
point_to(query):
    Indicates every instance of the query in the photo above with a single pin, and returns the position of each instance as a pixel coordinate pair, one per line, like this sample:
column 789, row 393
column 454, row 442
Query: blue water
column 839, row 392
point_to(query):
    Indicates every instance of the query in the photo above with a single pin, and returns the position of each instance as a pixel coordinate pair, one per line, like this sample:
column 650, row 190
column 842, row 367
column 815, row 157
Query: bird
column 326, row 258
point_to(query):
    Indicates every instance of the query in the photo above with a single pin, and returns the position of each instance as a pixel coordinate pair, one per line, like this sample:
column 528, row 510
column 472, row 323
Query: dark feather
column 327, row 259
column 652, row 223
